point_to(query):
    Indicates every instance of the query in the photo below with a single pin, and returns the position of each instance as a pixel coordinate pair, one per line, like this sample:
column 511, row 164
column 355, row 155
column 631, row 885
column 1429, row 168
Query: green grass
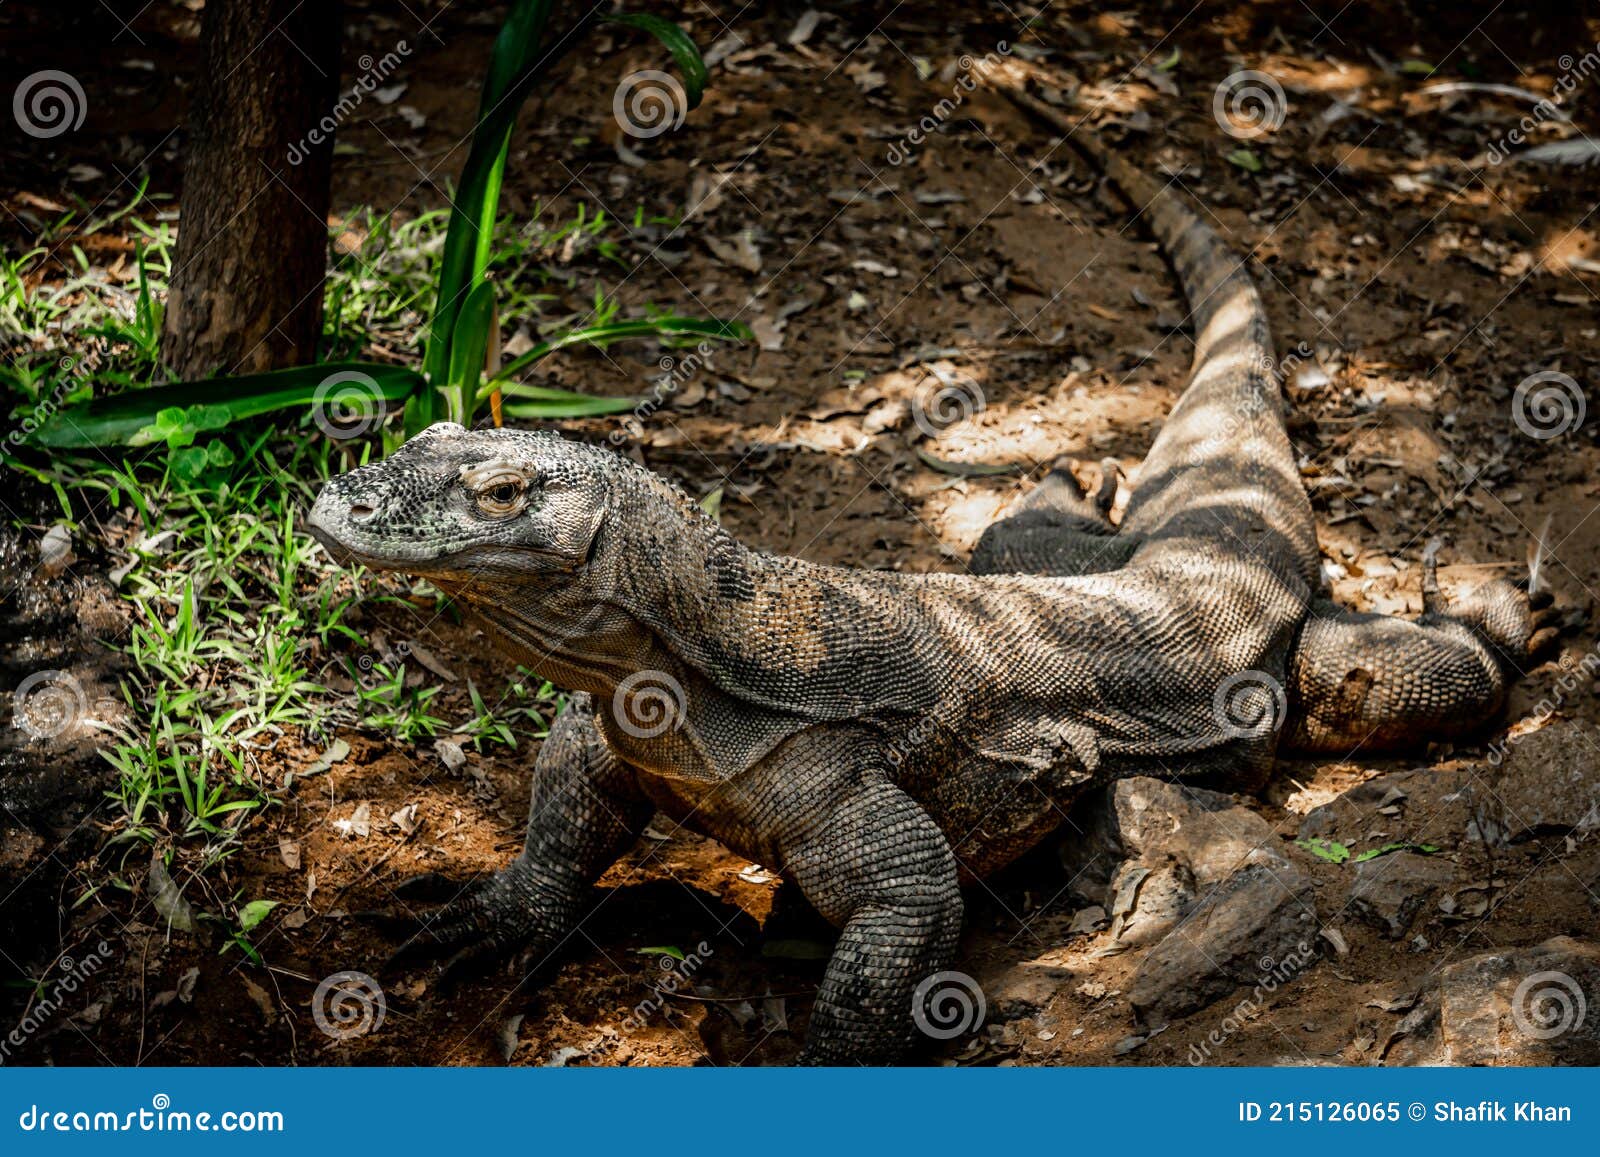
column 245, row 641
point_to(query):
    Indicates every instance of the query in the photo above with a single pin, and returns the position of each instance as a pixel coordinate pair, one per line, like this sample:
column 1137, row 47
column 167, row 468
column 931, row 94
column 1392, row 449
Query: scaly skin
column 879, row 737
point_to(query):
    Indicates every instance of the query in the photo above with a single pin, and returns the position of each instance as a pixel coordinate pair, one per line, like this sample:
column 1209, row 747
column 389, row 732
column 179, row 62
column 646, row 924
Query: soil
column 1419, row 286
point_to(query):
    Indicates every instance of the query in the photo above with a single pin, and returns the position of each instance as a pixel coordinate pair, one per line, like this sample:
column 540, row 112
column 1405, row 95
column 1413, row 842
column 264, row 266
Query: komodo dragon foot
column 585, row 812
column 1058, row 528
column 1381, row 683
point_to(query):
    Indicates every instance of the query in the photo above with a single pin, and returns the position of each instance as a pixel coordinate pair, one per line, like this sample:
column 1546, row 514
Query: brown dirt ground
column 1427, row 289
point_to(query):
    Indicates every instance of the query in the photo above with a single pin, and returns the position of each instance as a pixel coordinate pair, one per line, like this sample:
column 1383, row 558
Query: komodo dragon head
column 461, row 506
column 571, row 554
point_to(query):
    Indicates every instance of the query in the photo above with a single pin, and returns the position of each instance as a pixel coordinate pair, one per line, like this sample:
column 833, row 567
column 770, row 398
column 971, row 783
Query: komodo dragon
column 880, row 738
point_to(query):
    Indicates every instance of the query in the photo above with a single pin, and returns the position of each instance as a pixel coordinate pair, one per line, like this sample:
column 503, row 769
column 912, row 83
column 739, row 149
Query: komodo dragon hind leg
column 584, row 814
column 1058, row 529
column 1381, row 683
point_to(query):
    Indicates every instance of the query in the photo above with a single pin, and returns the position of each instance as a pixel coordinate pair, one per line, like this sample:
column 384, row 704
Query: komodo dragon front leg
column 1381, row 683
column 586, row 811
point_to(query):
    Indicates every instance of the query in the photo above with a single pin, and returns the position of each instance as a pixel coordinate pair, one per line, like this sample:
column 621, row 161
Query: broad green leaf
column 131, row 418
column 254, row 912
column 1246, row 160
column 513, row 65
column 580, row 406
column 189, row 462
column 1331, row 850
column 684, row 53
column 467, row 348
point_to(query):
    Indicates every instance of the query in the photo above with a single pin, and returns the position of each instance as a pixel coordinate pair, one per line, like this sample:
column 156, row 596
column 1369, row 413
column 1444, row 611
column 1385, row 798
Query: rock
column 1389, row 891
column 1151, row 902
column 1022, row 989
column 1202, row 879
column 1547, row 782
column 1511, row 1006
column 1205, row 831
column 1428, row 807
column 1257, row 928
column 1084, row 921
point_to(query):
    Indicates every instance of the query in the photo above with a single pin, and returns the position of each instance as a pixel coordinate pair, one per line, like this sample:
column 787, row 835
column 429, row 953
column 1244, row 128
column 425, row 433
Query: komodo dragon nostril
column 360, row 511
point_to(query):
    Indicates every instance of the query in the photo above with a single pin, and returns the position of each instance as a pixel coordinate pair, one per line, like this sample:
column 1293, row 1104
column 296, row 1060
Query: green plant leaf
column 661, row 950
column 134, row 417
column 513, row 66
column 1331, row 850
column 1246, row 160
column 576, row 406
column 467, row 348
column 668, row 326
column 684, row 53
column 189, row 462
column 1388, row 849
column 255, row 912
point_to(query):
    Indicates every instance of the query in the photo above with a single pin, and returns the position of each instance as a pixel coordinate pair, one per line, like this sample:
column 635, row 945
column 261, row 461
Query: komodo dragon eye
column 500, row 496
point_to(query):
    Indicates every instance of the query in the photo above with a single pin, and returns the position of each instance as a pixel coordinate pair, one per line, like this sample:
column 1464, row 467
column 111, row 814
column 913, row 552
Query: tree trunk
column 246, row 291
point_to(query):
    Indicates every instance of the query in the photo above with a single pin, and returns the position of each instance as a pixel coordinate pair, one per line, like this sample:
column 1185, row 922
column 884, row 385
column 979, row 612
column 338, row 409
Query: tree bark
column 246, row 289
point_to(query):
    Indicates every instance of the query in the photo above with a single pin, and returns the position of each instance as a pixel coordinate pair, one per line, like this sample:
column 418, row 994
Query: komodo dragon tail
column 1223, row 465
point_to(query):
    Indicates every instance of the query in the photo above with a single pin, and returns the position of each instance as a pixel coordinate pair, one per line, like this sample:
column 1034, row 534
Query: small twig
column 664, row 994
